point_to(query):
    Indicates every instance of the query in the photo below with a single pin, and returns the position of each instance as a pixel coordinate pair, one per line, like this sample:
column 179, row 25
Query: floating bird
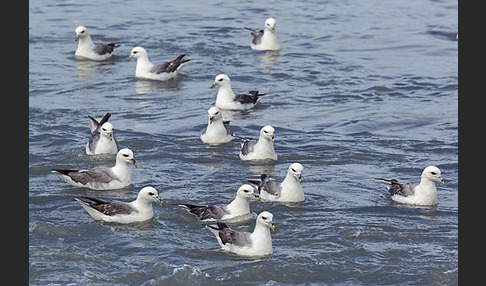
column 102, row 178
column 238, row 207
column 164, row 71
column 122, row 212
column 289, row 190
column 416, row 193
column 256, row 243
column 89, row 50
column 102, row 140
column 253, row 149
column 217, row 131
column 227, row 99
column 265, row 39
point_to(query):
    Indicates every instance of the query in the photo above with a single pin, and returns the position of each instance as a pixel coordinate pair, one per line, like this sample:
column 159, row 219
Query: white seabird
column 227, row 99
column 265, row 39
column 102, row 140
column 253, row 149
column 239, row 207
column 289, row 190
column 217, row 131
column 102, row 178
column 416, row 193
column 122, row 212
column 163, row 71
column 256, row 243
column 89, row 50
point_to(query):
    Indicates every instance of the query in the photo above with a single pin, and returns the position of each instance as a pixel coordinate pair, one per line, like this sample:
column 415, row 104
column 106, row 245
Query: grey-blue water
column 360, row 89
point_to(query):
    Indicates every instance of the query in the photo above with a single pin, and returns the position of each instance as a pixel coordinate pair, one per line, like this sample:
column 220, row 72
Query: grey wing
column 109, row 208
column 271, row 186
column 206, row 212
column 169, row 66
column 97, row 174
column 93, row 140
column 247, row 145
column 238, row 238
column 102, row 49
column 252, row 97
column 95, row 125
column 405, row 189
column 227, row 235
column 226, row 125
column 257, row 36
column 401, row 189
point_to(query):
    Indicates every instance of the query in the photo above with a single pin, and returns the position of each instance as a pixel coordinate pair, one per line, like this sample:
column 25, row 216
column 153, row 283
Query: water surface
column 359, row 90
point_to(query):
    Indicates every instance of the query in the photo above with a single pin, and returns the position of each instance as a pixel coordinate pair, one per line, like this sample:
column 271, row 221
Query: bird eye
column 433, row 173
column 220, row 79
column 265, row 131
column 264, row 218
column 134, row 52
column 246, row 191
column 151, row 193
column 292, row 169
column 125, row 155
column 103, row 129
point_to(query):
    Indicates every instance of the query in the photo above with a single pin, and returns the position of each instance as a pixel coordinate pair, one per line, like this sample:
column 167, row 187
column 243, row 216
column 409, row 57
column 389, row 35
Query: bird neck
column 226, row 90
column 86, row 41
column 239, row 205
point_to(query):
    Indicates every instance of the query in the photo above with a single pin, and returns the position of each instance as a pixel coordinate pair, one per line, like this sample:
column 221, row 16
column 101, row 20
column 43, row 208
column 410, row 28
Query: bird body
column 256, row 243
column 416, row 193
column 87, row 49
column 122, row 212
column 102, row 178
column 217, row 130
column 252, row 149
column 226, row 99
column 163, row 71
column 265, row 39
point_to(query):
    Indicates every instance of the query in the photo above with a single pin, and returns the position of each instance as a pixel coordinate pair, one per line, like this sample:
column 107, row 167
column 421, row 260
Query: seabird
column 227, row 99
column 288, row 190
column 102, row 178
column 102, row 140
column 416, row 193
column 256, row 243
column 163, row 71
column 253, row 149
column 217, row 131
column 122, row 212
column 238, row 207
column 89, row 50
column 265, row 39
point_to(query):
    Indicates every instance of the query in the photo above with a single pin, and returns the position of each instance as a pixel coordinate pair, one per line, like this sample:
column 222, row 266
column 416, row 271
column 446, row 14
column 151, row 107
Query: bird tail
column 253, row 30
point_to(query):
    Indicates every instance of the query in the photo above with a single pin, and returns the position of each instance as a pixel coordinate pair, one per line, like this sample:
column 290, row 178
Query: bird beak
column 129, row 58
column 76, row 38
column 213, row 85
column 134, row 163
column 273, row 140
column 111, row 137
column 272, row 227
column 300, row 178
column 441, row 181
column 159, row 201
column 273, row 30
column 211, row 119
column 255, row 197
